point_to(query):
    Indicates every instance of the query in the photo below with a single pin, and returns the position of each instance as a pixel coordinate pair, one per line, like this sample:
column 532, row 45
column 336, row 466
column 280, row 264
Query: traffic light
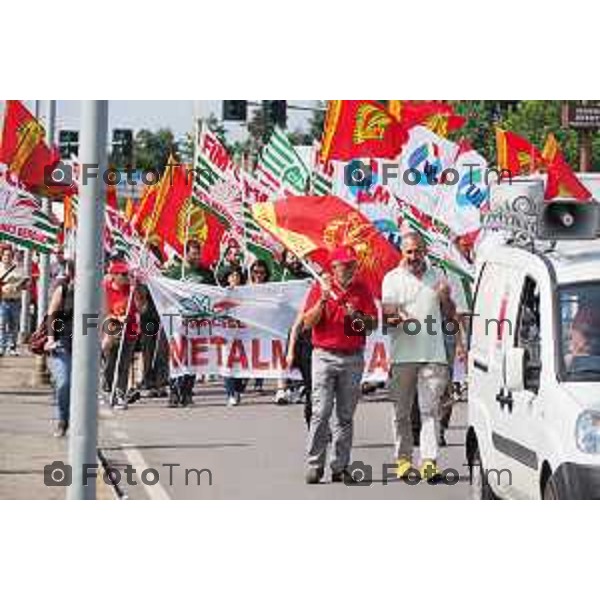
column 275, row 112
column 68, row 143
column 568, row 219
column 235, row 110
column 122, row 147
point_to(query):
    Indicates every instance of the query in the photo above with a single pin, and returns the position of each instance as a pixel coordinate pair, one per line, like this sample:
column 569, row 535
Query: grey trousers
column 429, row 380
column 336, row 389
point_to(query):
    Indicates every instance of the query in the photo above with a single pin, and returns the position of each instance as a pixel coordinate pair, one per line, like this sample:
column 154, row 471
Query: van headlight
column 587, row 432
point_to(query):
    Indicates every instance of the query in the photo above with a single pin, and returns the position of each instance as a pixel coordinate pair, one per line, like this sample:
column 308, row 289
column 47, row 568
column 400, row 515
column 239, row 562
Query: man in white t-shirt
column 416, row 297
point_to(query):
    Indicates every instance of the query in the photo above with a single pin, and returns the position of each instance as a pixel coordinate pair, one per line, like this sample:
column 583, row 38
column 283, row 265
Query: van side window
column 528, row 332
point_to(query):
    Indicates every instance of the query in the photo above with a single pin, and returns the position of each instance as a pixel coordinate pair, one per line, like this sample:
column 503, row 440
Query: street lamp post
column 88, row 299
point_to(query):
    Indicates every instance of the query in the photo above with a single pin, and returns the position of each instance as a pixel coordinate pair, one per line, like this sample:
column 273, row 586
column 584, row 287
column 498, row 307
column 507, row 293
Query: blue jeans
column 234, row 385
column 59, row 363
column 10, row 311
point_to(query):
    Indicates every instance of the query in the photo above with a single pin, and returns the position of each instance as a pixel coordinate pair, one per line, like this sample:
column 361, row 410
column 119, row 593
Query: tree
column 152, row 150
column 531, row 119
column 483, row 116
column 535, row 119
column 259, row 130
column 317, row 121
column 217, row 127
column 300, row 138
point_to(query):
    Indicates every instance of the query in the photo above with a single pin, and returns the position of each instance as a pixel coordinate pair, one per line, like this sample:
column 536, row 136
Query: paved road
column 255, row 450
column 26, row 441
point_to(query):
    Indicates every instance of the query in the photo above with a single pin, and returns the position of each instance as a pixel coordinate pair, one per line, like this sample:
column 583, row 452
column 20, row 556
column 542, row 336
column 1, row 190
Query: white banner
column 239, row 332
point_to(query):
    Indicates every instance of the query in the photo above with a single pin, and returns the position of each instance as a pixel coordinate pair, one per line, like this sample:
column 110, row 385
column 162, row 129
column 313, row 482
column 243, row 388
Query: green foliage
column 152, row 149
column 531, row 119
column 258, row 129
column 482, row 117
column 300, row 138
column 535, row 119
column 217, row 127
column 317, row 121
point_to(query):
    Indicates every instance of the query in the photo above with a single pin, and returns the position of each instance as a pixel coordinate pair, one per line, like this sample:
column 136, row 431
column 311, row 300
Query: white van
column 534, row 373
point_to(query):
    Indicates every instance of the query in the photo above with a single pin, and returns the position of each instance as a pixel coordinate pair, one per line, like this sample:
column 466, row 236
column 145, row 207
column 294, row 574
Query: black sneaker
column 314, row 475
column 133, row 396
column 61, row 429
column 343, row 476
column 337, row 477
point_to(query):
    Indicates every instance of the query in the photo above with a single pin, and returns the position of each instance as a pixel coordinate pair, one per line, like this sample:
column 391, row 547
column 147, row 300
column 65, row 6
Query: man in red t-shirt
column 117, row 296
column 335, row 310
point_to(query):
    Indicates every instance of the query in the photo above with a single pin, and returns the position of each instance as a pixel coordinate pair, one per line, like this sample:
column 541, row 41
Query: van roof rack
column 539, row 226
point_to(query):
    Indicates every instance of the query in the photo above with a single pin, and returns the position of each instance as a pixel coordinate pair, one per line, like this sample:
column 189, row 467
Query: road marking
column 137, row 461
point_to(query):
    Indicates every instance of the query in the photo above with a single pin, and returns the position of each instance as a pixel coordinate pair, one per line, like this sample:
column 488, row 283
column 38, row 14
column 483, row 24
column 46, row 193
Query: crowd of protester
column 329, row 361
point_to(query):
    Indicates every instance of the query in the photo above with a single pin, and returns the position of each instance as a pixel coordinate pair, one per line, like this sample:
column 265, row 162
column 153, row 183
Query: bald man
column 416, row 299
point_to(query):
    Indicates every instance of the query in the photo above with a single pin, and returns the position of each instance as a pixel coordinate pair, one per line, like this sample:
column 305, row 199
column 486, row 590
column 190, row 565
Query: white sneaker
column 281, row 397
column 295, row 396
column 233, row 400
column 13, row 352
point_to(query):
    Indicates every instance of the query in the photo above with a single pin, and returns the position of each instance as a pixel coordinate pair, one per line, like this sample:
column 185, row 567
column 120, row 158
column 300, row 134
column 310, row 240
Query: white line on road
column 137, row 461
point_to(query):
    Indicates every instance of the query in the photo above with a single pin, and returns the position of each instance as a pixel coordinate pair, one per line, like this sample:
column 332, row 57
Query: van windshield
column 580, row 330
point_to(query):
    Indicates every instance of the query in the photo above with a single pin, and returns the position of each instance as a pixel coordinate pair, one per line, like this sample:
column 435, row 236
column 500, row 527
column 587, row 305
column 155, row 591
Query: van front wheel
column 550, row 490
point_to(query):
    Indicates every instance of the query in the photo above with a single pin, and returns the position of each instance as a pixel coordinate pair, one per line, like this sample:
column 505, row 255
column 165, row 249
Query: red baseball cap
column 118, row 267
column 343, row 254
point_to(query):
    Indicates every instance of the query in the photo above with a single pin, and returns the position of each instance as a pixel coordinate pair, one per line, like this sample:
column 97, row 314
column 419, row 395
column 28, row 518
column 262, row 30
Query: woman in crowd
column 234, row 386
column 59, row 345
column 299, row 356
column 259, row 273
column 153, row 345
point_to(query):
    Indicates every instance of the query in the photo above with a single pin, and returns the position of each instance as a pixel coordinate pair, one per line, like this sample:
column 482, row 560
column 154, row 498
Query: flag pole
column 314, row 274
column 132, row 285
column 186, row 238
column 41, row 372
column 24, row 322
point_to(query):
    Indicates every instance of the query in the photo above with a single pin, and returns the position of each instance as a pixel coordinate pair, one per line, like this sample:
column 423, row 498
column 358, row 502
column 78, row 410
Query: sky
column 176, row 115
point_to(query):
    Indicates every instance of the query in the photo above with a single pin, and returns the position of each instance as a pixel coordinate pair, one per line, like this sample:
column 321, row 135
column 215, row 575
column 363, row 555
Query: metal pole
column 44, row 281
column 24, row 322
column 41, row 375
column 88, row 300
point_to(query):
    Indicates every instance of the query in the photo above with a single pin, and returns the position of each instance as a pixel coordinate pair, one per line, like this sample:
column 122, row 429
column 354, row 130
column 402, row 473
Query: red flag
column 312, row 226
column 562, row 181
column 167, row 215
column 516, row 154
column 360, row 129
column 437, row 116
column 24, row 149
column 111, row 197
